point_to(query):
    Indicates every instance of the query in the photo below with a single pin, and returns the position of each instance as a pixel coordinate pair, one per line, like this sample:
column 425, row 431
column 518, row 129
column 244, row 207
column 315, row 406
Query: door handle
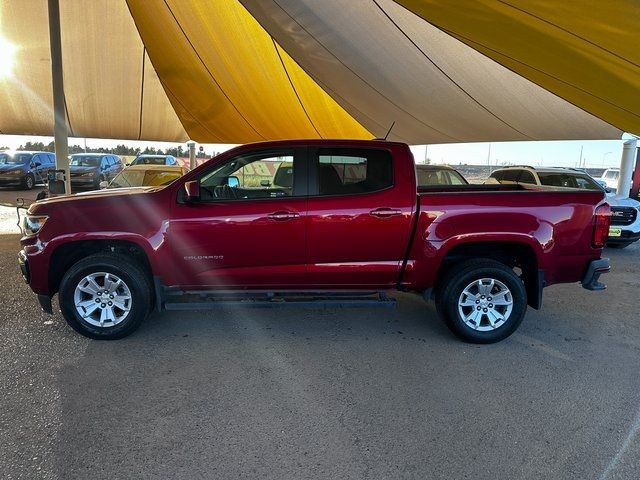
column 283, row 215
column 385, row 212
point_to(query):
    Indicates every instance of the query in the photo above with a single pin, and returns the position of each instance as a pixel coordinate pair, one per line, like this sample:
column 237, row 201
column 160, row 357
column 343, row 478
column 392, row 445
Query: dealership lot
column 315, row 393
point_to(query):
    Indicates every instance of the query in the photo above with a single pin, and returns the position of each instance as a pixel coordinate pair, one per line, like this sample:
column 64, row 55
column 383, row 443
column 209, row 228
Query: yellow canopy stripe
column 228, row 80
column 585, row 52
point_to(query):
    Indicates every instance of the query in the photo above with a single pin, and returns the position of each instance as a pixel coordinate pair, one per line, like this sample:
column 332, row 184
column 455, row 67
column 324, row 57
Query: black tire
column 29, row 181
column 618, row 245
column 135, row 278
column 452, row 285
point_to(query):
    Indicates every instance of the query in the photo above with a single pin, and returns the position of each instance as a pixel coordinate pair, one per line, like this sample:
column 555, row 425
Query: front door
column 248, row 228
column 359, row 217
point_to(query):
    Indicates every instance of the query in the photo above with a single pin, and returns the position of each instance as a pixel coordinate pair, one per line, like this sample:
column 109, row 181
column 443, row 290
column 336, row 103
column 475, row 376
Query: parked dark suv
column 25, row 169
column 89, row 169
column 155, row 160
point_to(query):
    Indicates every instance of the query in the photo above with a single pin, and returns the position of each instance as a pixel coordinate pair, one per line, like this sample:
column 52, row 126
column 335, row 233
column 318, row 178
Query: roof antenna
column 388, row 131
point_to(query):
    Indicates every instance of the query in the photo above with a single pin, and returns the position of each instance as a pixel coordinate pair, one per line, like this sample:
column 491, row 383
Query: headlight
column 33, row 223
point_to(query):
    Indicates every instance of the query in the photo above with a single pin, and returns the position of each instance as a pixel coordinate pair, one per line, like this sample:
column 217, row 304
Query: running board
column 212, row 300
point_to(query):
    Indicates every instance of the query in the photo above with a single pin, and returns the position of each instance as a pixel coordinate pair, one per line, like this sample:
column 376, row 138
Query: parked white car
column 625, row 212
column 610, row 177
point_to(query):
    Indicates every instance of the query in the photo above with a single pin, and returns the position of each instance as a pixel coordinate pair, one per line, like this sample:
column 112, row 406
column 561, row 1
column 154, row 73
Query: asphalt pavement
column 325, row 393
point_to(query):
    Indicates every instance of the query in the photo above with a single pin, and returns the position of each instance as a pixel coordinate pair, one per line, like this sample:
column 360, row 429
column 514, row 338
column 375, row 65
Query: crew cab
column 321, row 222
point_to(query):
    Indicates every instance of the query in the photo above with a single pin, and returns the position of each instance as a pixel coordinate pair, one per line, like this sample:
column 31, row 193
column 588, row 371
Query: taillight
column 601, row 228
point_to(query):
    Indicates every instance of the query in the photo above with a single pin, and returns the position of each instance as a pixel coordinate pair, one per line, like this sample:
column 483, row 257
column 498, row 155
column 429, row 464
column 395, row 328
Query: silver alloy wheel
column 29, row 182
column 485, row 304
column 102, row 299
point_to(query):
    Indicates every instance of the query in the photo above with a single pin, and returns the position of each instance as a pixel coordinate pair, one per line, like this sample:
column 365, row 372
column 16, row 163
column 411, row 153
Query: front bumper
column 594, row 270
column 11, row 181
column 43, row 300
column 24, row 266
column 83, row 181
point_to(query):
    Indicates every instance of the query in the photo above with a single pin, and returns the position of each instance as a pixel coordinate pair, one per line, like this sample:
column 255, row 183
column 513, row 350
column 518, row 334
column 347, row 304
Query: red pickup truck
column 321, row 222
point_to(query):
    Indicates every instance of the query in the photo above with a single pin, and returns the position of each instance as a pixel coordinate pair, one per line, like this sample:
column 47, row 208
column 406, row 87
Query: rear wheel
column 105, row 296
column 481, row 301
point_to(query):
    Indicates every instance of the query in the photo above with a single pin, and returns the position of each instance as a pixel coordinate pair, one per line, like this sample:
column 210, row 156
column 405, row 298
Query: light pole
column 192, row 154
column 605, row 156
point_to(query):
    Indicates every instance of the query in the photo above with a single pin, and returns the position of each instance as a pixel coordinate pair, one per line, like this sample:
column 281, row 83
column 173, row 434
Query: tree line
column 122, row 149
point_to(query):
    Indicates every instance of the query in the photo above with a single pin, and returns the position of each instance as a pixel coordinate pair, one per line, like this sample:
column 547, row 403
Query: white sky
column 594, row 153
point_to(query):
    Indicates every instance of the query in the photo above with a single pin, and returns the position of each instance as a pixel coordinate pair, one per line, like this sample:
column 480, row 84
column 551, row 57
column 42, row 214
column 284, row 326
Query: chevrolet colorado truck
column 316, row 222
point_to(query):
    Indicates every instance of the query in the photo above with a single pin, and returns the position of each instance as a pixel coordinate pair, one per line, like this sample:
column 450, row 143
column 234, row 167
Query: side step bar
column 212, row 300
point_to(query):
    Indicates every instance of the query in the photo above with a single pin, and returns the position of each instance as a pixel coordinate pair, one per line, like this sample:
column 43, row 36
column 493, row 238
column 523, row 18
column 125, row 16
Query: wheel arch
column 512, row 253
column 67, row 254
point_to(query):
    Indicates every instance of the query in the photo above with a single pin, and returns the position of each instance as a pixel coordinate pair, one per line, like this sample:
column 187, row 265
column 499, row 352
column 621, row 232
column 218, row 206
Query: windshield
column 568, row 180
column 142, row 178
column 14, row 159
column 84, row 161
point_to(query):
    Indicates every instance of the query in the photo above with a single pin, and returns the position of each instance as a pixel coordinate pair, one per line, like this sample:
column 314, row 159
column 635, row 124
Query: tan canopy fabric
column 111, row 89
column 385, row 64
column 235, row 71
column 587, row 52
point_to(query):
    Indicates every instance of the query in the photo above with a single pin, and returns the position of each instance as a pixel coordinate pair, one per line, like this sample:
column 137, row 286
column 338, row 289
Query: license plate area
column 615, row 232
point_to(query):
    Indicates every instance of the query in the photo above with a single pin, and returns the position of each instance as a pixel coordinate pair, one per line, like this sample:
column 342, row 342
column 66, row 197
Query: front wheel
column 481, row 301
column 29, row 181
column 105, row 296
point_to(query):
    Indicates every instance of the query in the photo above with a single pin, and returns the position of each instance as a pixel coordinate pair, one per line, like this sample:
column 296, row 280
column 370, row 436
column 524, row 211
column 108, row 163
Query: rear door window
column 349, row 171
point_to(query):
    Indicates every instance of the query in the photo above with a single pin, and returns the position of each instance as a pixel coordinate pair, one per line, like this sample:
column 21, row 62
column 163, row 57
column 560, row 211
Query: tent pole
column 626, row 167
column 192, row 154
column 60, row 132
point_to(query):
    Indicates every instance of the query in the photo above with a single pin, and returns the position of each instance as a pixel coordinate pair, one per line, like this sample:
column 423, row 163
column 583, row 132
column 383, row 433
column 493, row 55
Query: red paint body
column 328, row 242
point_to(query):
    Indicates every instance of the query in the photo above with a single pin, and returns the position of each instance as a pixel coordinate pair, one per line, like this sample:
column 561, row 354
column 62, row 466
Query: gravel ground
column 316, row 393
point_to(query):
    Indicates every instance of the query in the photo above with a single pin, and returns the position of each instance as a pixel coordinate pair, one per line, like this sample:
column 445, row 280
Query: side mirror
column 233, row 181
column 192, row 191
column 103, row 185
column 36, row 164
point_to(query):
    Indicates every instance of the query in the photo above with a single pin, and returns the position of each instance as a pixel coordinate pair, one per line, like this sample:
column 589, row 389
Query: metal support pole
column 626, row 167
column 192, row 154
column 60, row 132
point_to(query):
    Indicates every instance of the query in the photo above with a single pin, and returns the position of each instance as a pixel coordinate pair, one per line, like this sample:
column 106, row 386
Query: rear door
column 248, row 229
column 359, row 216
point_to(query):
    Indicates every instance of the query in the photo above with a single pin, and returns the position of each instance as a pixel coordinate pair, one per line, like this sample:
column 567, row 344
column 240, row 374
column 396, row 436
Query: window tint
column 511, row 176
column 527, row 177
column 497, row 175
column 51, row 159
column 349, row 171
column 611, row 174
column 568, row 181
column 434, row 176
column 255, row 175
